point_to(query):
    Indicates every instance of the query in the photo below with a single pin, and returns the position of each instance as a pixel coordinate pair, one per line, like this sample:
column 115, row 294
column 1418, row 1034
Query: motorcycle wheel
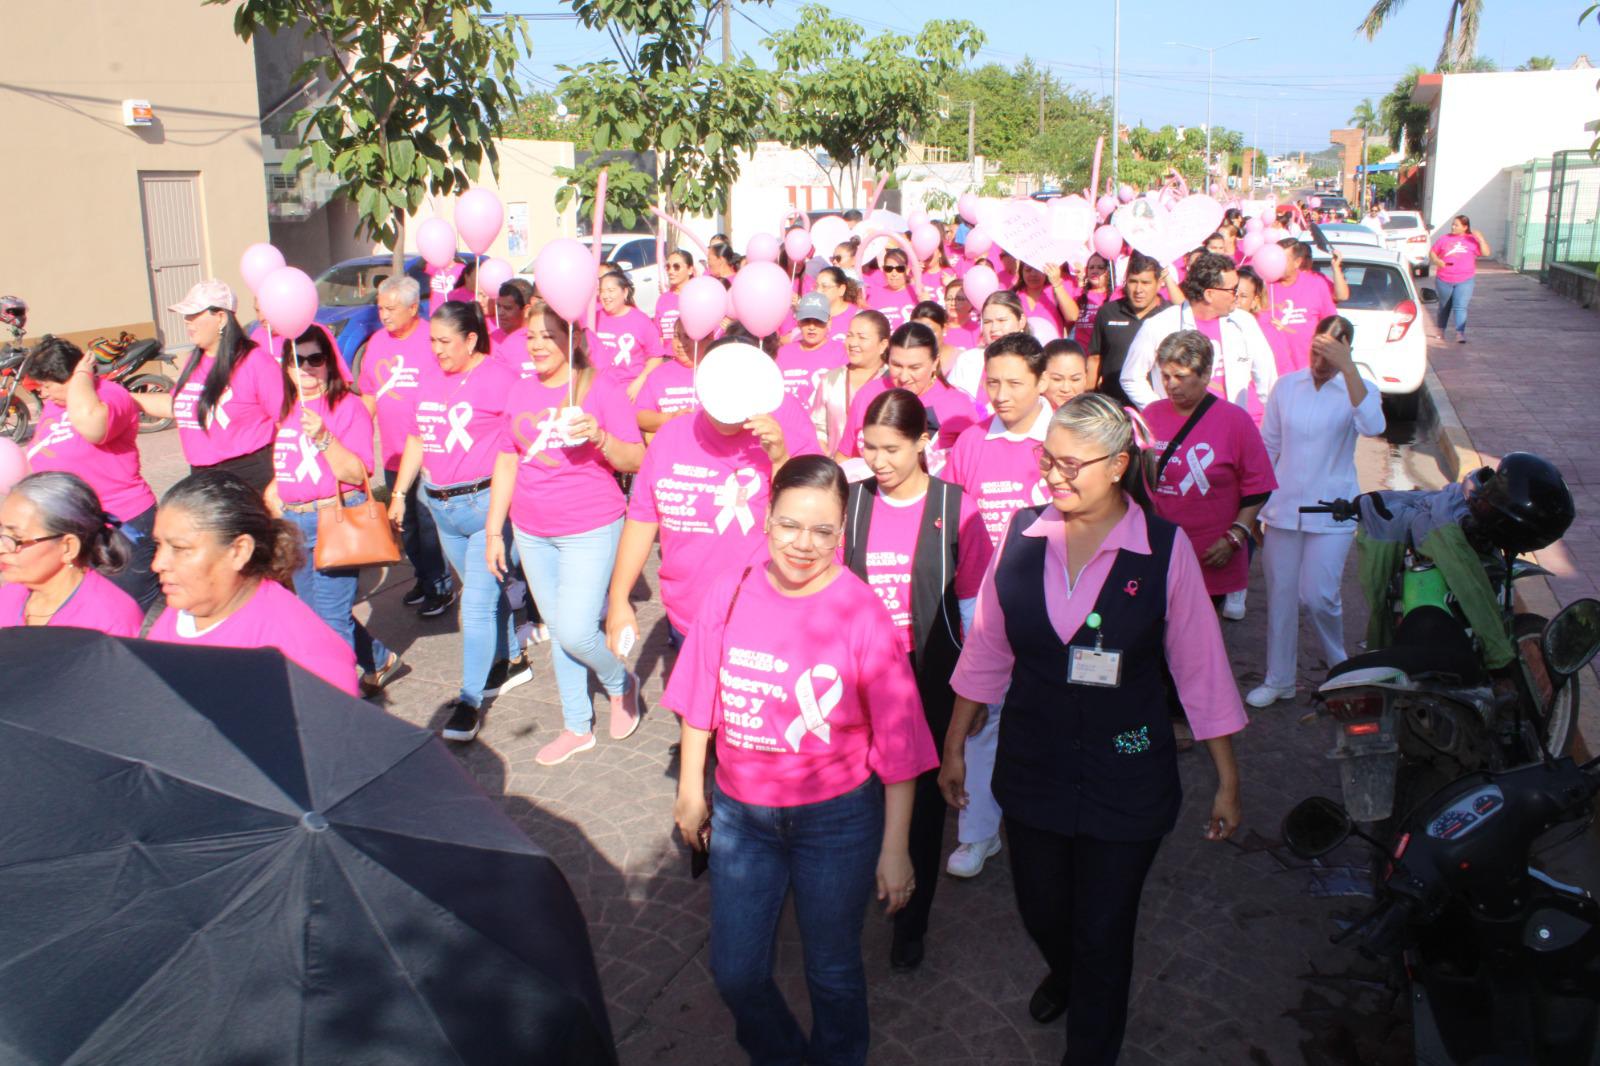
column 16, row 420
column 150, row 383
column 1557, row 729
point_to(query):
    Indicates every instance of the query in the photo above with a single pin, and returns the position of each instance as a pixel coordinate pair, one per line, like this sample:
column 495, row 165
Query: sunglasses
column 835, row 258
column 313, row 359
column 890, row 268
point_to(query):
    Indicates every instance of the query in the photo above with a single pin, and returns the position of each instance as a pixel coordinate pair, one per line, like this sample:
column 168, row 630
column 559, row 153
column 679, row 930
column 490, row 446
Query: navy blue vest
column 1082, row 759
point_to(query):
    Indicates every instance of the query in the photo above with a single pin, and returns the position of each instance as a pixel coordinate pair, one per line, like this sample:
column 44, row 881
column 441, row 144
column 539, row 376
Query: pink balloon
column 1105, row 205
column 979, row 284
column 493, row 273
column 924, row 240
column 968, row 208
column 1253, row 224
column 763, row 248
column 1250, row 242
column 797, row 242
column 1274, row 234
column 702, row 305
column 1108, row 242
column 1270, row 262
column 436, row 240
column 978, row 243
column 1125, row 193
column 13, row 464
column 288, row 300
column 257, row 262
column 565, row 275
column 761, row 297
column 479, row 216
column 917, row 218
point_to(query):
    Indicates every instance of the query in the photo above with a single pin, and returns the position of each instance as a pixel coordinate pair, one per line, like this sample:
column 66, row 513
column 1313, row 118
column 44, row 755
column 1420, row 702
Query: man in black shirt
column 1119, row 320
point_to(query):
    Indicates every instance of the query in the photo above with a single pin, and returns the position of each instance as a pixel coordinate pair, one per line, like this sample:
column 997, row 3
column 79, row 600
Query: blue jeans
column 136, row 579
column 569, row 577
column 420, row 539
column 332, row 594
column 828, row 853
column 1454, row 296
column 486, row 632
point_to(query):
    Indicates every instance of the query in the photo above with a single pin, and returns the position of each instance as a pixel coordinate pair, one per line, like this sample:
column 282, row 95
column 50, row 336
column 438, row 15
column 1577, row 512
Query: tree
column 1407, row 122
column 1539, row 63
column 1367, row 119
column 663, row 94
column 859, row 100
column 417, row 92
column 544, row 117
column 1460, row 28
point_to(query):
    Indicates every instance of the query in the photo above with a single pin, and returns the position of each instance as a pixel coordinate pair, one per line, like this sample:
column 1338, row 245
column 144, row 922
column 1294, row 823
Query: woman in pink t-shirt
column 844, row 300
column 571, row 430
column 962, row 327
column 1066, row 372
column 914, row 365
column 54, row 540
column 797, row 674
column 624, row 337
column 229, row 396
column 1049, row 299
column 1096, row 291
column 680, row 268
column 900, row 292
column 1455, row 262
column 322, row 458
column 460, row 426
column 90, row 427
column 866, row 349
column 902, row 538
column 223, row 561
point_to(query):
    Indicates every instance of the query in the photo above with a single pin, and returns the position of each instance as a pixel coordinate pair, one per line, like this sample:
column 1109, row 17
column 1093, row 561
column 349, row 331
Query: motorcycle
column 125, row 367
column 16, row 417
column 1412, row 716
column 1503, row 960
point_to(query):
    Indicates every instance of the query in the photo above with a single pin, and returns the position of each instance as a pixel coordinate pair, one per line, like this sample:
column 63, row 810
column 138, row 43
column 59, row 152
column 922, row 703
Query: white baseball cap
column 736, row 382
column 204, row 295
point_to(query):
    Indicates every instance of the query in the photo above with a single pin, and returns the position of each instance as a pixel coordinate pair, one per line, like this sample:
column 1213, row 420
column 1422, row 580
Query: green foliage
column 861, row 99
column 1539, row 63
column 418, row 91
column 538, row 119
column 1368, row 118
column 1460, row 29
column 1007, row 109
column 1406, row 122
column 628, row 190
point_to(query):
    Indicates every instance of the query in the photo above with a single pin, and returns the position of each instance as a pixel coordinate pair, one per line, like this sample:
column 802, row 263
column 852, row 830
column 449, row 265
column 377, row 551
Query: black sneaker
column 1049, row 1001
column 418, row 593
column 434, row 604
column 465, row 721
column 507, row 674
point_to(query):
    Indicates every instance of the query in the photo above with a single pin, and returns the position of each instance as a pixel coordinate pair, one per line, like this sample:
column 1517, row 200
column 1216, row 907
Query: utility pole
column 972, row 130
column 1211, row 55
column 1116, row 70
column 725, row 221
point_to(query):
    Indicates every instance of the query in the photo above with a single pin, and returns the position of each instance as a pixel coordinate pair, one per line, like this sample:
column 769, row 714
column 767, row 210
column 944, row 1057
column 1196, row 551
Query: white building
column 1483, row 124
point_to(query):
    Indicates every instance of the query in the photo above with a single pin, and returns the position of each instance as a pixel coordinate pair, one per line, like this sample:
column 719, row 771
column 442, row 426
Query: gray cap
column 813, row 307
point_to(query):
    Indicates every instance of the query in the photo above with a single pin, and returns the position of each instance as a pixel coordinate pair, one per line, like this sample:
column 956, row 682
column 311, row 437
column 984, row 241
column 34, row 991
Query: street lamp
column 1211, row 55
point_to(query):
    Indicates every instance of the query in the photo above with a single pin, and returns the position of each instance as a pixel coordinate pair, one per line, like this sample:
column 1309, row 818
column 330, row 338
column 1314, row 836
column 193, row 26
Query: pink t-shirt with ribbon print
column 245, row 416
column 564, row 488
column 953, row 409
column 1460, row 255
column 512, row 350
column 111, row 467
column 95, row 604
column 803, row 368
column 301, row 471
column 808, row 696
column 461, row 420
column 393, row 371
column 668, row 390
column 620, row 345
column 895, row 306
column 667, row 318
column 1294, row 310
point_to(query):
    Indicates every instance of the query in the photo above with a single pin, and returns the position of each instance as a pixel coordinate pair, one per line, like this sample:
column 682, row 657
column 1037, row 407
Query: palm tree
column 1460, row 28
column 1365, row 117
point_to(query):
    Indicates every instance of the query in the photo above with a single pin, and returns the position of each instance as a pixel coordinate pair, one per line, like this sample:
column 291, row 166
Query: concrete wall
column 1484, row 123
column 74, row 244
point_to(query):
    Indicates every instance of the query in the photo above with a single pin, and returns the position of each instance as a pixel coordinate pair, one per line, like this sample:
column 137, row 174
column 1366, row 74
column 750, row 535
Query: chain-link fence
column 1572, row 218
column 1525, row 215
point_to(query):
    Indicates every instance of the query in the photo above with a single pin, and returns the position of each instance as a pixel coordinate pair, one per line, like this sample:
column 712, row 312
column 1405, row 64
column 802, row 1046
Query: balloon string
column 294, row 350
column 571, row 372
column 695, row 374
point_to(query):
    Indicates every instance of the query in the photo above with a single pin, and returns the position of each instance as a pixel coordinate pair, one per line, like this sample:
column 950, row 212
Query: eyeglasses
column 1068, row 468
column 786, row 531
column 10, row 545
column 890, row 268
column 313, row 359
column 835, row 258
column 1232, row 290
column 676, row 266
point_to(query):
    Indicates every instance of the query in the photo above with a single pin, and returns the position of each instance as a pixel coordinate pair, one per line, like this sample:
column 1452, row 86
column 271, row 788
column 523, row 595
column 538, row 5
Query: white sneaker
column 1267, row 695
column 1233, row 605
column 968, row 859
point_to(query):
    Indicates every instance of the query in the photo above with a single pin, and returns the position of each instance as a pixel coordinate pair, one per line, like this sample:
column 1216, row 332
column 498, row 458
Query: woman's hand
column 1217, row 556
column 690, row 812
column 311, row 423
column 1225, row 814
column 770, row 434
column 953, row 777
column 397, row 510
column 896, row 880
column 494, row 554
column 586, row 427
column 619, row 619
column 1052, row 273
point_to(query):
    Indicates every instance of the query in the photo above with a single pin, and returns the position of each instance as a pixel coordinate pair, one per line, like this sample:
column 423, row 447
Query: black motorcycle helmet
column 1524, row 506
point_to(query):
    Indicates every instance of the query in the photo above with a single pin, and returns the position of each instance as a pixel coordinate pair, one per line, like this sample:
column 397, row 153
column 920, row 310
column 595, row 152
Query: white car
column 1350, row 233
column 635, row 255
column 1406, row 233
column 1391, row 342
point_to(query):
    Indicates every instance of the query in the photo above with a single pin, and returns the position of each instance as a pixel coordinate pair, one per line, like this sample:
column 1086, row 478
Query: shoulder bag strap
column 1178, row 437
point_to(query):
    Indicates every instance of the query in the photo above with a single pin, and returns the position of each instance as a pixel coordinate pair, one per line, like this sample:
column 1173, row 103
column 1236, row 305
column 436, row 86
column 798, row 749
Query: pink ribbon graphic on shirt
column 219, row 416
column 1198, row 457
column 546, row 434
column 625, row 345
column 393, row 372
column 734, row 496
column 813, row 711
column 307, row 469
column 460, row 417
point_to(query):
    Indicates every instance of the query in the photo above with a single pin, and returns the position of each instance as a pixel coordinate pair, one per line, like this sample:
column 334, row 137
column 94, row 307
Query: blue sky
column 1298, row 81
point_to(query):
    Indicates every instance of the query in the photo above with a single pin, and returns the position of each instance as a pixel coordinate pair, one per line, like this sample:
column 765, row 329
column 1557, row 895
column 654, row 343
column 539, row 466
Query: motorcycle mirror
column 1572, row 637
column 1315, row 827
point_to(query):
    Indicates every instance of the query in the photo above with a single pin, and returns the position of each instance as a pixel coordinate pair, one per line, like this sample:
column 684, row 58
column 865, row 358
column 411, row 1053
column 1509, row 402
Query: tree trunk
column 399, row 261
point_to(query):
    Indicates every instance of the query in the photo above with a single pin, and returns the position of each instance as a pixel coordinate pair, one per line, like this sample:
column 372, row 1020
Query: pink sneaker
column 625, row 711
column 563, row 748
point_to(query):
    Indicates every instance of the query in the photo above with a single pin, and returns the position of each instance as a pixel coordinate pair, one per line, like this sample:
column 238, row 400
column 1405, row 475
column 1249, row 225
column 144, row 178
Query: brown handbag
column 361, row 535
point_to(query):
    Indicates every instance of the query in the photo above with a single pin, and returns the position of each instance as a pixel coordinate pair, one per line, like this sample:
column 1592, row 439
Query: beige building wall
column 74, row 242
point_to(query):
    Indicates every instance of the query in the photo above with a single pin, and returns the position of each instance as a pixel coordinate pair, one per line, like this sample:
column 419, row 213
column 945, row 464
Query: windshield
column 1402, row 222
column 353, row 285
column 1373, row 286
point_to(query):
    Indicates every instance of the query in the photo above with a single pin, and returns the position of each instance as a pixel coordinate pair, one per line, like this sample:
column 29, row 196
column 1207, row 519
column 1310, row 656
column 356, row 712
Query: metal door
column 171, row 203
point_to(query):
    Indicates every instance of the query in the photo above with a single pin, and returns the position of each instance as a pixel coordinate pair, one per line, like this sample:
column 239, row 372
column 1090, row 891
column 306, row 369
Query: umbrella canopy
column 212, row 856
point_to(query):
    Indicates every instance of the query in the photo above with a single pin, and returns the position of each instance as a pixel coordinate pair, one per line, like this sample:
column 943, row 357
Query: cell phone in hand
column 625, row 643
column 700, row 858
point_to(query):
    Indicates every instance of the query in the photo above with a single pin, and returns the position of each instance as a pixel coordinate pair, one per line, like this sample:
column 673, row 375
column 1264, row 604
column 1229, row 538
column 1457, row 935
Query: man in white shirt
column 1240, row 353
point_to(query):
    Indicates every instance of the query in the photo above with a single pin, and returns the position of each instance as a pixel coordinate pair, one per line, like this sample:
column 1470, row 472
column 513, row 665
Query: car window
column 351, row 286
column 640, row 253
column 1402, row 222
column 1373, row 286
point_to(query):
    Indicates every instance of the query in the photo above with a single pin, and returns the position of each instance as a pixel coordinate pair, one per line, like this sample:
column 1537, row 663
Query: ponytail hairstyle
column 1097, row 417
column 221, row 504
column 852, row 287
column 232, row 347
column 901, row 411
column 810, row 472
column 68, row 507
column 464, row 317
column 927, row 311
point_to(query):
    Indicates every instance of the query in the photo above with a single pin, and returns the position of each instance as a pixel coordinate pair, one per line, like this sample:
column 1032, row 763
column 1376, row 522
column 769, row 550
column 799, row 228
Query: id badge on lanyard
column 1098, row 665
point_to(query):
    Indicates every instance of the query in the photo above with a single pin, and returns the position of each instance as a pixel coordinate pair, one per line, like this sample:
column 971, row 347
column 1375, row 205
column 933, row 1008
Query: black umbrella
column 212, row 856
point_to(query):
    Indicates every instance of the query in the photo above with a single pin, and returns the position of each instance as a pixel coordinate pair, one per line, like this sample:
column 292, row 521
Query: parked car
column 1385, row 308
column 1406, row 232
column 1335, row 207
column 1350, row 233
column 634, row 254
